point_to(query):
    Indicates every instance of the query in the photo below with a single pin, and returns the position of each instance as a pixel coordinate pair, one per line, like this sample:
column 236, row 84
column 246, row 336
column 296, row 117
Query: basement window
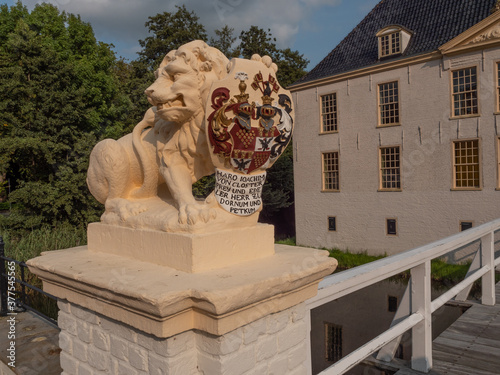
column 464, row 225
column 332, row 223
column 333, row 342
column 392, row 227
column 392, row 303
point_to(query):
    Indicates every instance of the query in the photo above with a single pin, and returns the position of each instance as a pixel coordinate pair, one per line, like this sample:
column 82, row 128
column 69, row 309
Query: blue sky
column 313, row 27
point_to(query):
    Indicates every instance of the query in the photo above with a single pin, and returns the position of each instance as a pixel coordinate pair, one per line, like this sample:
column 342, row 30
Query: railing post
column 23, row 287
column 421, row 303
column 488, row 259
column 3, row 280
column 308, row 362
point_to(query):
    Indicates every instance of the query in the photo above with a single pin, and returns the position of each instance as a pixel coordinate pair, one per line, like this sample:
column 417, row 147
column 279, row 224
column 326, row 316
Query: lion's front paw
column 131, row 209
column 124, row 208
column 193, row 213
column 136, row 209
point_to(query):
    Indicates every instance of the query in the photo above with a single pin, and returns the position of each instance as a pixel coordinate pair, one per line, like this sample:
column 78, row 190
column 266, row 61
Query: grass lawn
column 443, row 274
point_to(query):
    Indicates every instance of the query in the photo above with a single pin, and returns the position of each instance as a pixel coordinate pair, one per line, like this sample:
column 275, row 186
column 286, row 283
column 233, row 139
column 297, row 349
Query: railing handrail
column 340, row 284
column 418, row 261
column 21, row 302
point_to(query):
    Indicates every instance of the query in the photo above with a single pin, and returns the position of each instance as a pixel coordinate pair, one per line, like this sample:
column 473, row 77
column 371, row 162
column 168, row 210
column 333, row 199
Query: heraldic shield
column 249, row 125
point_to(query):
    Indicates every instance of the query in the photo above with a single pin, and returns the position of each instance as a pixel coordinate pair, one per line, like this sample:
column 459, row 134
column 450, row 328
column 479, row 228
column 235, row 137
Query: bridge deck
column 471, row 345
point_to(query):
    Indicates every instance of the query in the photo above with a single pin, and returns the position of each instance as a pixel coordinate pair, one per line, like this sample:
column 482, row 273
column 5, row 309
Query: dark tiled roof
column 433, row 23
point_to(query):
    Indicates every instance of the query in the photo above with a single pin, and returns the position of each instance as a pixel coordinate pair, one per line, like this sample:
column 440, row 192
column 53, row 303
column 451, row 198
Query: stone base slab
column 183, row 251
column 164, row 301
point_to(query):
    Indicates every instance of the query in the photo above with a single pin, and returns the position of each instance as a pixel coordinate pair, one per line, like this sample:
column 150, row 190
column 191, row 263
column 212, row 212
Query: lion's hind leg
column 109, row 170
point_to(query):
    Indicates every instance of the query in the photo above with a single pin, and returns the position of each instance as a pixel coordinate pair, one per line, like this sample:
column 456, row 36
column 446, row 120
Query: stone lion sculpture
column 145, row 178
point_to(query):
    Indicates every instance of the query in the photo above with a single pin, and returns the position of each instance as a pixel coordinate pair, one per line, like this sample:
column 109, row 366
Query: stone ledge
column 164, row 301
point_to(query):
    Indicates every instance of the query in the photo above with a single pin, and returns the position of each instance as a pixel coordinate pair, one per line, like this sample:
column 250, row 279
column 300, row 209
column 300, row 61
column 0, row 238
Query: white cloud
column 121, row 22
column 317, row 3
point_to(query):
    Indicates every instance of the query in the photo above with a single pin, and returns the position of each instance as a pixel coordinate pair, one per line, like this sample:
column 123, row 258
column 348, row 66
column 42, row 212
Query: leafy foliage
column 291, row 64
column 58, row 98
column 169, row 31
column 257, row 41
column 225, row 41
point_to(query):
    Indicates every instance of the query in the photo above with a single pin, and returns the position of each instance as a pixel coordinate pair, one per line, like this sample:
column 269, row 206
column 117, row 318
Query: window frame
column 323, row 172
column 337, row 350
column 379, row 105
column 497, row 147
column 453, row 165
column 380, row 187
column 390, row 34
column 465, row 221
column 390, row 301
column 497, row 86
column 391, row 31
column 387, row 226
column 328, row 222
column 321, row 114
column 452, row 94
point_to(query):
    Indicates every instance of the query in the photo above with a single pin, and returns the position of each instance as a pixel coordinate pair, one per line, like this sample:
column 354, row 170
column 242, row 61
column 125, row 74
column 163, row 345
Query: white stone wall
column 93, row 344
column 426, row 209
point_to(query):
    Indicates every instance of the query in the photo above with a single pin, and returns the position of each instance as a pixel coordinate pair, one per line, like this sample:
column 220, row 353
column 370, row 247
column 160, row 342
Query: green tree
column 225, row 41
column 257, row 41
column 59, row 95
column 170, row 31
column 9, row 18
column 134, row 78
column 291, row 64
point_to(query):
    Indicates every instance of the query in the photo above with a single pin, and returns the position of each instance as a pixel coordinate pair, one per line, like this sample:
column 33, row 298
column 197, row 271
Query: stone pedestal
column 122, row 315
column 184, row 251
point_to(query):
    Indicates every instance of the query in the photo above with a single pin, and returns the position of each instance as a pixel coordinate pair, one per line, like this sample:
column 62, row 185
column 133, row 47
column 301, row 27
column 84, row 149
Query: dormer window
column 390, row 44
column 392, row 41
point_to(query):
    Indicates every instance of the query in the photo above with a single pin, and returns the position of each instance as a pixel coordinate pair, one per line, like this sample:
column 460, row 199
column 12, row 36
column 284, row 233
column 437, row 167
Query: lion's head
column 183, row 80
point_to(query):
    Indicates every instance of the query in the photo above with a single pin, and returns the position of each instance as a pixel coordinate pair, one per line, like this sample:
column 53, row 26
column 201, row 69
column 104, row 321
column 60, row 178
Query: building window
column 390, row 168
column 331, row 171
column 498, row 163
column 388, row 95
column 465, row 101
column 392, row 227
column 332, row 223
column 329, row 113
column 333, row 342
column 464, row 225
column 466, row 167
column 392, row 303
column 392, row 40
column 498, row 87
column 390, row 44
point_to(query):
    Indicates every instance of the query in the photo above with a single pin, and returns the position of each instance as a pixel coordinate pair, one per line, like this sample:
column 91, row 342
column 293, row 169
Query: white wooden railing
column 419, row 319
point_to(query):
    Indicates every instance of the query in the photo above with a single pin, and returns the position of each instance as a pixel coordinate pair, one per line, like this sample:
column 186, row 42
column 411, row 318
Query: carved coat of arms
column 249, row 125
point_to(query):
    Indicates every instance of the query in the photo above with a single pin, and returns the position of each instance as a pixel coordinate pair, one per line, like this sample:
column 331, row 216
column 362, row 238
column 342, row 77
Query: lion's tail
column 148, row 166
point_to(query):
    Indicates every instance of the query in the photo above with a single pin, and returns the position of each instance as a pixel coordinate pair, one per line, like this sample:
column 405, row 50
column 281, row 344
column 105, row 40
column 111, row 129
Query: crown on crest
column 265, row 87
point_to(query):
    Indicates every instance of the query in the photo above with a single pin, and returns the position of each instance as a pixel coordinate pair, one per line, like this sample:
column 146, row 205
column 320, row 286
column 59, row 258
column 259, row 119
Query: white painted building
column 397, row 132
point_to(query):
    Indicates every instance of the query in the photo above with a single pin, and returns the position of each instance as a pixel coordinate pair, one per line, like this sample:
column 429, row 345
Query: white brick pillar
column 94, row 344
column 120, row 315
